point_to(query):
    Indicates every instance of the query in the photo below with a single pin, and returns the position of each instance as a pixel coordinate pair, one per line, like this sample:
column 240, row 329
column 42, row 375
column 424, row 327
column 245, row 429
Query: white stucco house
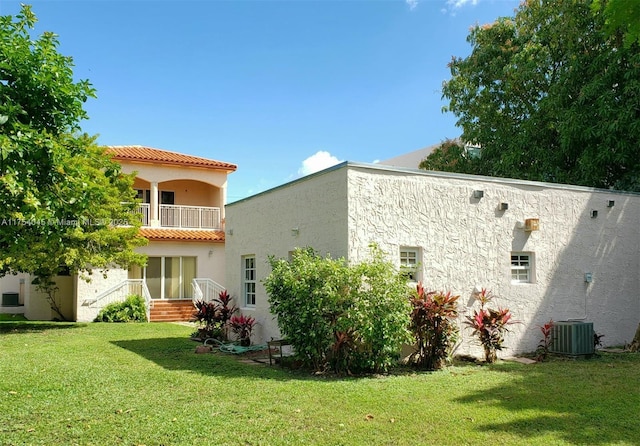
column 182, row 208
column 548, row 251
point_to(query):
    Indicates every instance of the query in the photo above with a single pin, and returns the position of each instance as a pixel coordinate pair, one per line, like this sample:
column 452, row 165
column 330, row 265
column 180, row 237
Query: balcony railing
column 144, row 211
column 175, row 216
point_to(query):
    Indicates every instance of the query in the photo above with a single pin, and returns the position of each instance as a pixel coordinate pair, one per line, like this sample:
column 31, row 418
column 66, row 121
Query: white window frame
column 411, row 269
column 522, row 267
column 249, row 280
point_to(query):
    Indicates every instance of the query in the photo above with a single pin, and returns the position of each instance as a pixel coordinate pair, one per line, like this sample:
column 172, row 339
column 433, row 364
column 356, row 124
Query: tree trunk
column 490, row 355
column 635, row 344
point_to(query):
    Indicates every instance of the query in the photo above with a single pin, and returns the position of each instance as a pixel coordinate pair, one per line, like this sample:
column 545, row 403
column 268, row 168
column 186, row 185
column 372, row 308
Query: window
column 167, row 197
column 249, row 280
column 521, row 267
column 167, row 277
column 409, row 260
column 144, row 195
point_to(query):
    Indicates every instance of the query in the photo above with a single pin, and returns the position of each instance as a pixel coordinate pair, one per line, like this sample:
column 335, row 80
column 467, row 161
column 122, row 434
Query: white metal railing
column 144, row 210
column 206, row 289
column 120, row 292
column 177, row 216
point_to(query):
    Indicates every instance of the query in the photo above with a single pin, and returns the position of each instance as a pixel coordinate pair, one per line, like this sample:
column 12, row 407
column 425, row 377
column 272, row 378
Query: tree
column 66, row 204
column 550, row 96
column 449, row 156
column 621, row 17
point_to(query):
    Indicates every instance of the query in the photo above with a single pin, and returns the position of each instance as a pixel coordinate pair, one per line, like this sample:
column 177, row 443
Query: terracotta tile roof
column 153, row 156
column 188, row 235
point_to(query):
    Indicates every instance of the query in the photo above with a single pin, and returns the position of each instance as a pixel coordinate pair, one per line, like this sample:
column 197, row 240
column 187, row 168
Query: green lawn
column 135, row 384
column 11, row 317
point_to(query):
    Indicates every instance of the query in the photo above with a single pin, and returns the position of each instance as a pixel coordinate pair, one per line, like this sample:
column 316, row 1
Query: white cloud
column 412, row 4
column 457, row 4
column 452, row 6
column 316, row 162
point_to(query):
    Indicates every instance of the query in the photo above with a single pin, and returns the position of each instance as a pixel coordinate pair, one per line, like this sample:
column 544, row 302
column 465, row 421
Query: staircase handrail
column 210, row 292
column 93, row 303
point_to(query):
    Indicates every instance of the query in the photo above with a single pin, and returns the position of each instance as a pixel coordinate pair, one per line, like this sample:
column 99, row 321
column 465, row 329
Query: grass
column 140, row 384
column 11, row 317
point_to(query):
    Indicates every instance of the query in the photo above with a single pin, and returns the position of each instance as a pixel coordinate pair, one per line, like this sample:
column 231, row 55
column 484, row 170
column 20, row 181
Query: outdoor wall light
column 532, row 224
column 588, row 277
column 611, row 203
column 478, row 193
column 295, row 232
column 503, row 206
column 594, row 213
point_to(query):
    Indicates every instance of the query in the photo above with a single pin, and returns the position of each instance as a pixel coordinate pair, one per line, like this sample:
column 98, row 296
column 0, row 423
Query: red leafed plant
column 214, row 315
column 242, row 326
column 433, row 327
column 225, row 308
column 545, row 343
column 490, row 325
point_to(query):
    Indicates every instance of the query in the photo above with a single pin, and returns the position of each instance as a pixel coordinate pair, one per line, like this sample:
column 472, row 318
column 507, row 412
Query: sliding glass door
column 167, row 277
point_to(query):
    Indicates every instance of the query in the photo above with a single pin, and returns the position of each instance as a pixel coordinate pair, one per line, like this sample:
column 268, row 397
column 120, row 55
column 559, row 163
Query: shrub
column 242, row 326
column 542, row 352
column 133, row 309
column 433, row 327
column 490, row 325
column 308, row 294
column 214, row 316
column 378, row 315
column 347, row 318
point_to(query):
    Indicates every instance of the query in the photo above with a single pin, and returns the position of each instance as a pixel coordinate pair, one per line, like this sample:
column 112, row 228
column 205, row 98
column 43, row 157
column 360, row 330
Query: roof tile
column 150, row 155
column 190, row 235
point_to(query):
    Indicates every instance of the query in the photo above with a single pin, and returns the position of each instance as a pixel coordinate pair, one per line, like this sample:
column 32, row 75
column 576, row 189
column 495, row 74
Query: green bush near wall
column 133, row 309
column 348, row 318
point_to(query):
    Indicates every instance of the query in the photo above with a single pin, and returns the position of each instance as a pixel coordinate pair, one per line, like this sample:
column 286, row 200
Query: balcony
column 177, row 216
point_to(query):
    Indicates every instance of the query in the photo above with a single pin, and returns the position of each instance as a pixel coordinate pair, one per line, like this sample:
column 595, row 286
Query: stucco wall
column 88, row 290
column 262, row 226
column 466, row 243
column 187, row 192
column 191, row 193
column 161, row 172
column 37, row 307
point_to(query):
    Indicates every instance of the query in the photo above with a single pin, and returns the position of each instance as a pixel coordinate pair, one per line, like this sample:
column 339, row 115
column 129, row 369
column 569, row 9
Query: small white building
column 548, row 251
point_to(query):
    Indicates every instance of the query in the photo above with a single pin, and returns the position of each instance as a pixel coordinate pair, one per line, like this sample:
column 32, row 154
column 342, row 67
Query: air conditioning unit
column 572, row 338
column 10, row 299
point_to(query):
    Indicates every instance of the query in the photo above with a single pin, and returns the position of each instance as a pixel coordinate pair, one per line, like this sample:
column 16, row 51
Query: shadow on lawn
column 592, row 402
column 35, row 326
column 178, row 353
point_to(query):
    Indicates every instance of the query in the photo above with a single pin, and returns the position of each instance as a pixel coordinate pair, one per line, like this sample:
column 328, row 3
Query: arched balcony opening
column 188, row 204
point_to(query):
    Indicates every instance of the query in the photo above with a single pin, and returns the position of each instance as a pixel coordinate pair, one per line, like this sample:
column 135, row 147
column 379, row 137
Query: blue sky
column 279, row 87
